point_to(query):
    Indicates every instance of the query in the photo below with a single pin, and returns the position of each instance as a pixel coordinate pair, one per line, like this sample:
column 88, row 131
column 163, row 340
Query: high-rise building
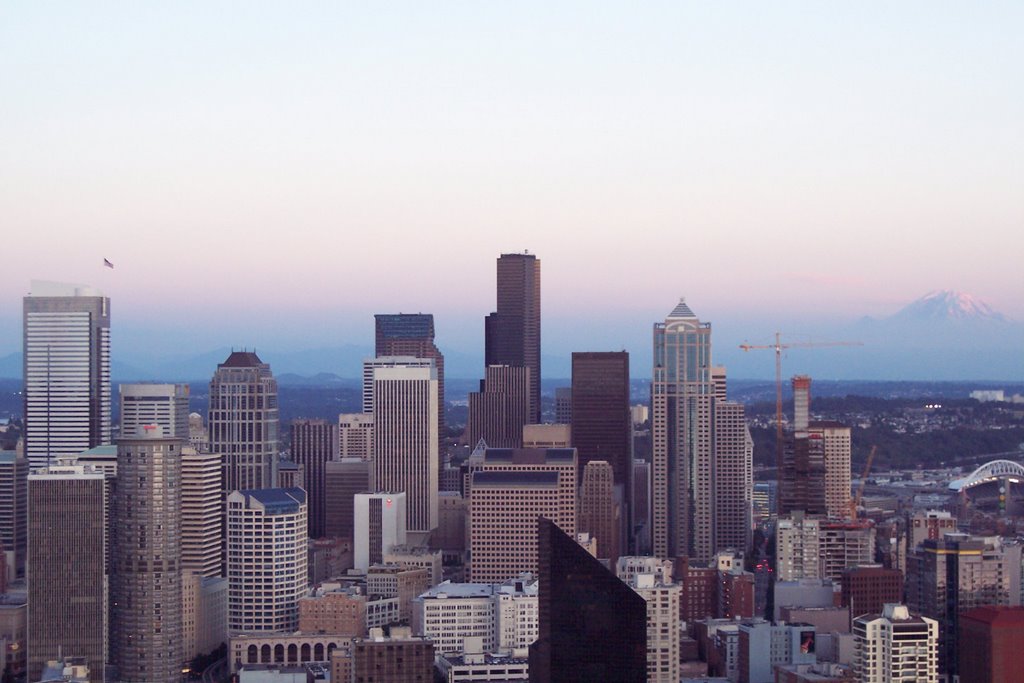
column 895, row 646
column 405, row 437
column 512, row 332
column 592, row 626
column 836, row 446
column 243, row 421
column 314, row 443
column 601, row 424
column 763, row 645
column 866, row 589
column 733, row 477
column 145, row 587
column 379, row 520
column 933, row 524
column 14, row 510
column 355, row 435
column 67, row 370
column 662, row 600
column 990, row 642
column 202, row 512
column 412, row 334
column 370, row 365
column 949, row 576
column 155, row 404
column 267, row 559
column 682, row 393
column 66, row 567
column 563, row 405
column 599, row 513
column 343, row 479
column 501, row 409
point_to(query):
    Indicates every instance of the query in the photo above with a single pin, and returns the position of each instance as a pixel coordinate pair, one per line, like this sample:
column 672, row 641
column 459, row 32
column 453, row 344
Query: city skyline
column 827, row 165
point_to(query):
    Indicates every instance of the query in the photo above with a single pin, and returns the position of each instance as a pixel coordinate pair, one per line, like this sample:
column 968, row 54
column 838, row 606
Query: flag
column 108, row 264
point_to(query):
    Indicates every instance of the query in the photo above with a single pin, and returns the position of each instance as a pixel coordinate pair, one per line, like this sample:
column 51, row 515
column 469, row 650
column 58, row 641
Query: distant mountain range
column 944, row 335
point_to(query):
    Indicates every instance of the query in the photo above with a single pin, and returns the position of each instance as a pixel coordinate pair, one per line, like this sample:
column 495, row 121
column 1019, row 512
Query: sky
column 272, row 174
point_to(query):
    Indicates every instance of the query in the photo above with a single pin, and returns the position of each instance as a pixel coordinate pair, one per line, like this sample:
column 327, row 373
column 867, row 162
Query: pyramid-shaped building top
column 681, row 311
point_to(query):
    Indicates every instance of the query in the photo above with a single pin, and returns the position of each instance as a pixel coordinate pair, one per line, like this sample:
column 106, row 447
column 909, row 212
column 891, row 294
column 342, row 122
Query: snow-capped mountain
column 945, row 305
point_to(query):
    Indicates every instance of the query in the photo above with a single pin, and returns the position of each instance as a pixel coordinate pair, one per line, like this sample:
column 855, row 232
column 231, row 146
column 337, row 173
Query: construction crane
column 855, row 503
column 779, row 346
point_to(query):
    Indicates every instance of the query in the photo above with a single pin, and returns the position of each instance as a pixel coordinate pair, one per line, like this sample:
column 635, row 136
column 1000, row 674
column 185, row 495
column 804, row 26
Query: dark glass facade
column 512, row 333
column 593, row 627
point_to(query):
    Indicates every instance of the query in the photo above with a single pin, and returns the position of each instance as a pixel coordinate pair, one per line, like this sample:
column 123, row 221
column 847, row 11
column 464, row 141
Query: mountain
column 947, row 305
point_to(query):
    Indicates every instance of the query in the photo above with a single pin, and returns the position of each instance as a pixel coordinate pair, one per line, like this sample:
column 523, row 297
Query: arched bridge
column 990, row 471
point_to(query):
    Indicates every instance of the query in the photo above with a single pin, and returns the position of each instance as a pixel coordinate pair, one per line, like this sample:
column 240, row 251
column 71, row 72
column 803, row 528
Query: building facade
column 202, row 512
column 155, row 404
column 895, row 646
column 267, row 559
column 243, row 421
column 14, row 511
column 314, row 443
column 66, row 369
column 145, row 587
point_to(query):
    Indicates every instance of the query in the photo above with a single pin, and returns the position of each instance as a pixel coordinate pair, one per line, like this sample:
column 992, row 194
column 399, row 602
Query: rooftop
column 681, row 310
column 521, row 478
column 242, row 359
column 277, row 501
column 405, row 325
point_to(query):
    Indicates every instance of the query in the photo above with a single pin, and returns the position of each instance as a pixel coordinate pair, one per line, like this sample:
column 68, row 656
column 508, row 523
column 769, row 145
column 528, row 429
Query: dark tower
column 512, row 333
column 593, row 627
column 314, row 443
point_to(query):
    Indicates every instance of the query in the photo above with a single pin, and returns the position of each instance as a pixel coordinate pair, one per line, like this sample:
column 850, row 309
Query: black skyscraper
column 593, row 627
column 512, row 333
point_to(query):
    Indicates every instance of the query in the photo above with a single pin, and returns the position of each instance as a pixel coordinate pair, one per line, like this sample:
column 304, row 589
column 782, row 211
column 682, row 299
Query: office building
column 662, row 626
column 202, row 512
column 547, row 436
column 13, row 511
column 405, row 456
column 601, row 425
column 765, row 501
column 592, row 626
column 599, row 514
column 949, row 576
column 412, row 334
column 204, row 614
column 66, row 567
column 155, row 404
column 512, row 332
column 243, row 421
column 733, row 477
column 338, row 612
column 836, row 446
column 895, row 646
column 563, row 405
column 503, row 541
column 398, row 581
column 355, row 436
column 380, row 525
column 145, row 585
column 866, row 589
column 929, row 524
column 501, row 409
column 198, row 434
column 397, row 658
column 343, row 479
column 681, row 405
column 66, row 370
column 314, row 443
column 641, row 506
column 267, row 558
column 989, row 644
column 762, row 646
column 370, row 365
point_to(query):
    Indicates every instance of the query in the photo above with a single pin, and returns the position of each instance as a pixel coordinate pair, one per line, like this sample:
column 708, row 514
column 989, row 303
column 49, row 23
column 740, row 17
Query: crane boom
column 778, row 346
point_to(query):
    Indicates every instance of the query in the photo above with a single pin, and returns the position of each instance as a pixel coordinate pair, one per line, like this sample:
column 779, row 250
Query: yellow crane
column 855, row 503
column 778, row 346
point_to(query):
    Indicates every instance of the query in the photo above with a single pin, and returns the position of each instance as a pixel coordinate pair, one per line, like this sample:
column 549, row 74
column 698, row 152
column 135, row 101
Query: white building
column 404, row 401
column 379, row 526
column 267, row 558
column 202, row 513
column 895, row 646
column 798, row 548
column 662, row 626
column 503, row 616
column 67, row 371
column 355, row 435
column 155, row 404
column 204, row 613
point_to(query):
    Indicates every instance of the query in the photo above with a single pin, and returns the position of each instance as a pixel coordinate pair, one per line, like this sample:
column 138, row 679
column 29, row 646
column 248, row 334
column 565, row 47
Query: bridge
column 989, row 472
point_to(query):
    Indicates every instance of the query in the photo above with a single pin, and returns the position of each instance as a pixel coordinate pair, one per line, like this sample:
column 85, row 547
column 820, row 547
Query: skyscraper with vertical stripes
column 512, row 333
column 66, row 370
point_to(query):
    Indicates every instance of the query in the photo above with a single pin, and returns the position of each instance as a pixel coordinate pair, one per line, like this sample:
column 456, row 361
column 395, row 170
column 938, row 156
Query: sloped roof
column 682, row 310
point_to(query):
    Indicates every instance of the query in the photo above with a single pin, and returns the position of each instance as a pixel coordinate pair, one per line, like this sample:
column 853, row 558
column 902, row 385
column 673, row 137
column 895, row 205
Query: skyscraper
column 267, row 559
column 601, row 425
column 512, row 333
column 343, row 479
column 498, row 412
column 599, row 514
column 67, row 556
column 593, row 627
column 145, row 587
column 155, row 404
column 14, row 509
column 405, row 437
column 412, row 334
column 243, row 421
column 202, row 511
column 895, row 646
column 733, row 477
column 67, row 370
column 314, row 442
column 682, row 393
